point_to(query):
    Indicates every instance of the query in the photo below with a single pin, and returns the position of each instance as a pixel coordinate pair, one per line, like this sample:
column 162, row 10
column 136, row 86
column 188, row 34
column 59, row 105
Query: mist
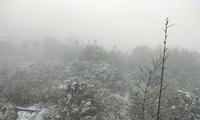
column 121, row 23
column 99, row 59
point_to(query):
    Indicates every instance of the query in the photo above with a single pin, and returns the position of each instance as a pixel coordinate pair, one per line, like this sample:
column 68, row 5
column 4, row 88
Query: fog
column 99, row 59
column 121, row 23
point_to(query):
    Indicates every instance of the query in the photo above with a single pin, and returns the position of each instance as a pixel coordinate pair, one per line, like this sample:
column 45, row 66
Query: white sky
column 124, row 23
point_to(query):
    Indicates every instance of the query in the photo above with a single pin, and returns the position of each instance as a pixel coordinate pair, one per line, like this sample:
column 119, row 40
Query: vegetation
column 85, row 82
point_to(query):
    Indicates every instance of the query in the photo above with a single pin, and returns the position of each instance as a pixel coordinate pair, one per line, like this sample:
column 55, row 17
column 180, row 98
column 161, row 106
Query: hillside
column 86, row 82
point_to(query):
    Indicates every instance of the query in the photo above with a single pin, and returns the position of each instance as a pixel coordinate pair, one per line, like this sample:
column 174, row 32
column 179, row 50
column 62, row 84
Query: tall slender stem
column 163, row 66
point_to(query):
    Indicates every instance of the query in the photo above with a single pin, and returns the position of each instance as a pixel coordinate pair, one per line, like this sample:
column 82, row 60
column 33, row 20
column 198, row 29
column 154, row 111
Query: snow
column 24, row 115
column 187, row 94
column 41, row 114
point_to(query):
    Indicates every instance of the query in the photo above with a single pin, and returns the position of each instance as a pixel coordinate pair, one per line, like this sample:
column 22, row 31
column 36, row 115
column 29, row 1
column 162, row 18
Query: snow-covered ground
column 27, row 115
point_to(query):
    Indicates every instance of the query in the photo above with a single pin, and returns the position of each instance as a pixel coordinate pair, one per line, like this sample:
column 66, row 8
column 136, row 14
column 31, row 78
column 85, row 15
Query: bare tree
column 150, row 85
column 164, row 57
column 150, row 79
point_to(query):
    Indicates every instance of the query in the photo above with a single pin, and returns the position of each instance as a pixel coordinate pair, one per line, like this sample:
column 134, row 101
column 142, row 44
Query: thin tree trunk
column 163, row 67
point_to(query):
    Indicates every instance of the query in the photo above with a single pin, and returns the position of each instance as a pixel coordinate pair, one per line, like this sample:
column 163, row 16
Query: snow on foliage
column 187, row 94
